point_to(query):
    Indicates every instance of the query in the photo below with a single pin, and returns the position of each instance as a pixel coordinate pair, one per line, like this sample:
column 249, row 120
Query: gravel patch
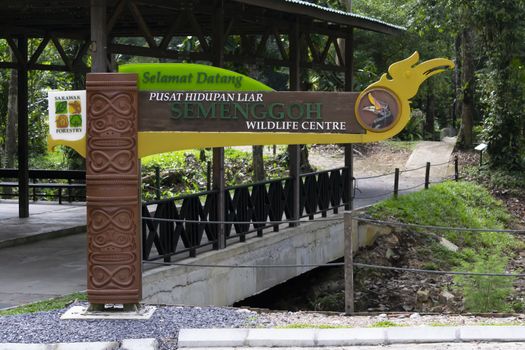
column 47, row 327
column 282, row 319
column 164, row 325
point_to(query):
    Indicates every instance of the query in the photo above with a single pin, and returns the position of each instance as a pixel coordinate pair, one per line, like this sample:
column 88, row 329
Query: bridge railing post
column 427, row 175
column 456, row 168
column 219, row 185
column 349, row 263
column 294, row 155
column 396, row 183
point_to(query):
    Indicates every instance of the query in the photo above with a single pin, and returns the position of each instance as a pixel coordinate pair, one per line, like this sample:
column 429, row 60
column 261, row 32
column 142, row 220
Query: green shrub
column 430, row 265
column 330, row 302
column 308, row 325
column 485, row 293
column 384, row 324
column 510, row 182
column 414, row 129
column 184, row 172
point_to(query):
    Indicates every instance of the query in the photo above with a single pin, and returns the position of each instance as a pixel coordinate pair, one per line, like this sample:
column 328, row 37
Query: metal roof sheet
column 328, row 14
column 344, row 13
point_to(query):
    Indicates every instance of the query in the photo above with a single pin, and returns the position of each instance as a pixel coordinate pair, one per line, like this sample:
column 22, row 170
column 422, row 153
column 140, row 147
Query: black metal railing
column 322, row 191
column 188, row 223
column 46, row 184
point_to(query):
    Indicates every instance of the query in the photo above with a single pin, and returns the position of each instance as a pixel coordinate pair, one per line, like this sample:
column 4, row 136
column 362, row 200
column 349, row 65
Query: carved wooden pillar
column 113, row 203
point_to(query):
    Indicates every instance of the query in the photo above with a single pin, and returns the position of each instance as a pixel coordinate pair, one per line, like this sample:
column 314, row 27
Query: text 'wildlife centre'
column 253, row 109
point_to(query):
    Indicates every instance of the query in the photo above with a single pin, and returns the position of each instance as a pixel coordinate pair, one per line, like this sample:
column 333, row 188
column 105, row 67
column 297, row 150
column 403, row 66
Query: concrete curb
column 42, row 236
column 265, row 337
column 126, row 344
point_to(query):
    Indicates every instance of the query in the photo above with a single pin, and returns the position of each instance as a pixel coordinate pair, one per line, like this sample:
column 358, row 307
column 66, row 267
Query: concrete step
column 221, row 338
column 126, row 344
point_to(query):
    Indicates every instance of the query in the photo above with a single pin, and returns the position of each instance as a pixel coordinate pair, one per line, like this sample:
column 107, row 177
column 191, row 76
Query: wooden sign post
column 113, row 182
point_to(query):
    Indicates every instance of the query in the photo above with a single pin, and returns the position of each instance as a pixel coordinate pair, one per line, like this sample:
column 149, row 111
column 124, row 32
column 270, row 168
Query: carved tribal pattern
column 114, row 267
column 122, row 219
column 102, row 276
column 101, row 106
column 120, row 161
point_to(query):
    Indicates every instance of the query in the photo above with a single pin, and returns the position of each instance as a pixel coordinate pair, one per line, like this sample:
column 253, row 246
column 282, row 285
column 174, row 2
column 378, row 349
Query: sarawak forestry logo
column 378, row 110
column 67, row 114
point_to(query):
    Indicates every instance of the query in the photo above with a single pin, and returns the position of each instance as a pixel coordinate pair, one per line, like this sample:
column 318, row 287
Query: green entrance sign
column 183, row 106
column 258, row 112
column 190, row 77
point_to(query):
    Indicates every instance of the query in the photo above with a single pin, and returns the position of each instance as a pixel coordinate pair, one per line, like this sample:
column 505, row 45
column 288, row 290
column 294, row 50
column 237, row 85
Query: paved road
column 42, row 270
column 433, row 152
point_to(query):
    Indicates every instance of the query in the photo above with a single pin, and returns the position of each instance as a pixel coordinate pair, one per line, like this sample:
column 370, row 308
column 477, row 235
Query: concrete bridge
column 224, row 277
column 310, row 243
column 51, row 267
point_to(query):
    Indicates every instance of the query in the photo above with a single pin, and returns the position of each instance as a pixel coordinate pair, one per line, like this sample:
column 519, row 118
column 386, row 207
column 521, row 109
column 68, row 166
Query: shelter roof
column 71, row 18
column 328, row 14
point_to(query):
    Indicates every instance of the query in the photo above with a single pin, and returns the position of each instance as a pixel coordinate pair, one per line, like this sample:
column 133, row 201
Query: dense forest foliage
column 483, row 98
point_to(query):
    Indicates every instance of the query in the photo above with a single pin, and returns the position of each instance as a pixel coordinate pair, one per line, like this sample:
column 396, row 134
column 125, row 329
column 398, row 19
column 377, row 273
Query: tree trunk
column 306, row 167
column 467, row 81
column 430, row 112
column 258, row 163
column 456, row 108
column 12, row 117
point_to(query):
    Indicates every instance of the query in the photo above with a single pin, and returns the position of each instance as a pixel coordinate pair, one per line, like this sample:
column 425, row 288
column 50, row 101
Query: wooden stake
column 349, row 264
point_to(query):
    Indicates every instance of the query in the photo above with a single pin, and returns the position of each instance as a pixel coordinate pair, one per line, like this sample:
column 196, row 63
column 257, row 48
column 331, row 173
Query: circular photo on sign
column 378, row 110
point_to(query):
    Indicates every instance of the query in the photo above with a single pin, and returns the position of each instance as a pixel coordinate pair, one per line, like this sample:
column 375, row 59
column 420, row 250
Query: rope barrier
column 241, row 266
column 361, row 265
column 400, row 172
column 413, row 169
column 439, row 164
column 376, row 195
column 374, row 176
column 390, row 192
column 438, row 272
column 424, row 166
column 410, row 188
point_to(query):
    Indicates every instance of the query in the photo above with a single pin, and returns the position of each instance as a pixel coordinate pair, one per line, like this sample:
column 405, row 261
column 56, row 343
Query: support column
column 99, row 35
column 218, row 152
column 349, row 156
column 114, row 271
column 23, row 139
column 294, row 151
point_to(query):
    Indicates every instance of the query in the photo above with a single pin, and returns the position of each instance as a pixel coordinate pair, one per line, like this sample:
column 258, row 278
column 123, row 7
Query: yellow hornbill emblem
column 407, row 76
column 381, row 110
column 385, row 105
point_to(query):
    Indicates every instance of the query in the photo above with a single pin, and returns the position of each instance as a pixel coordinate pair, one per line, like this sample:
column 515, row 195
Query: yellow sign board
column 173, row 116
